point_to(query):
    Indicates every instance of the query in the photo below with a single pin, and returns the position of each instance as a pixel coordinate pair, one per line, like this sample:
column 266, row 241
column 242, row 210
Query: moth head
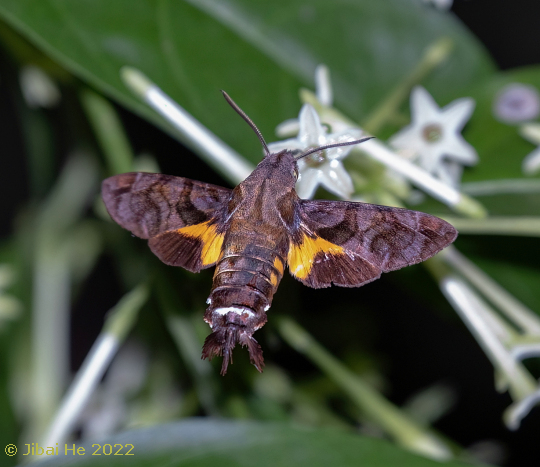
column 283, row 166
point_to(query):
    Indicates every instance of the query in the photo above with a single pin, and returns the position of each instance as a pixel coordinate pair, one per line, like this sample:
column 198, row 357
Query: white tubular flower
column 485, row 327
column 434, row 134
column 324, row 168
column 201, row 139
column 531, row 163
column 508, row 333
column 38, row 89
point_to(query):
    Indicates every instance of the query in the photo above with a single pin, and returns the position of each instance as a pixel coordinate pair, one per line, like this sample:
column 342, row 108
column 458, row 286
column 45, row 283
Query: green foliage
column 259, row 52
column 202, row 442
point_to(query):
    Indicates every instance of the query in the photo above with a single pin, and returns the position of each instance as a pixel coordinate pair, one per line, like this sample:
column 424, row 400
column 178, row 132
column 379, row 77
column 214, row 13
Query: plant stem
column 466, row 302
column 498, row 187
column 51, row 294
column 436, row 54
column 522, row 316
column 394, row 421
column 205, row 143
column 109, row 132
column 119, row 322
column 526, row 226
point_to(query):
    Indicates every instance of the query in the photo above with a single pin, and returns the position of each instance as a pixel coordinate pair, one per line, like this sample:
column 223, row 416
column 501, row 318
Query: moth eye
column 294, row 172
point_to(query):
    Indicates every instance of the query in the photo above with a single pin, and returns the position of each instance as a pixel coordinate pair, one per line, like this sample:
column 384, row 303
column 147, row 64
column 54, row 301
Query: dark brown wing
column 350, row 244
column 183, row 218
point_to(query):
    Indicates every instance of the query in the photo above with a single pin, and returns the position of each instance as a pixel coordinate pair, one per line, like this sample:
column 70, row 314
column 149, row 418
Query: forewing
column 356, row 242
column 182, row 218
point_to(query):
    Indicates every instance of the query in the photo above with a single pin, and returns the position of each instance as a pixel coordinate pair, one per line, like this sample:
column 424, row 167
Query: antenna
column 242, row 114
column 334, row 145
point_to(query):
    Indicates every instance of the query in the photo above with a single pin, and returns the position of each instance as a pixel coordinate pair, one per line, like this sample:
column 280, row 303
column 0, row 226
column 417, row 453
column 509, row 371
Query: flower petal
column 311, row 133
column 289, row 127
column 454, row 116
column 336, row 179
column 531, row 163
column 434, row 134
column 430, row 156
column 449, row 172
column 291, row 144
column 342, row 137
column 424, row 109
column 307, row 183
column 531, row 132
column 456, row 148
column 407, row 138
column 516, row 103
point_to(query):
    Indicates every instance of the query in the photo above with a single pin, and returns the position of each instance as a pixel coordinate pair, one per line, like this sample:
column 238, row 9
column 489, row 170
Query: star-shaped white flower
column 434, row 134
column 323, row 168
column 531, row 163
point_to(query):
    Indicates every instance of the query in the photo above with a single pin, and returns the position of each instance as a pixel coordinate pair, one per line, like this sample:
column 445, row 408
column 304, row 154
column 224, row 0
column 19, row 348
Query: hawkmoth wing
column 182, row 218
column 350, row 244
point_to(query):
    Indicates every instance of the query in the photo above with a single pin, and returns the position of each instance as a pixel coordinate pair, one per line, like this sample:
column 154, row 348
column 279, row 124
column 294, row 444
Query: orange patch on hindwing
column 210, row 239
column 301, row 257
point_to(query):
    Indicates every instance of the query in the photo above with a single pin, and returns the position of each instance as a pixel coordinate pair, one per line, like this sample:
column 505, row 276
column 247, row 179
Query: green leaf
column 369, row 46
column 260, row 52
column 208, row 442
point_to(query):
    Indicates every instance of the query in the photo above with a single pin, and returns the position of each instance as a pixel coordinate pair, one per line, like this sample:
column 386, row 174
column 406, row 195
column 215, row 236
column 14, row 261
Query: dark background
column 508, row 29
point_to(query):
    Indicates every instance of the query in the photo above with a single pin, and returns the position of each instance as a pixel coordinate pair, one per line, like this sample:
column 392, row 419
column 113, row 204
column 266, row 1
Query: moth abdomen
column 243, row 287
column 250, row 277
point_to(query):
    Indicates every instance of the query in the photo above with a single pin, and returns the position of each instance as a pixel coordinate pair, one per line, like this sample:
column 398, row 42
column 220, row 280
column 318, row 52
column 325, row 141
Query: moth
column 253, row 232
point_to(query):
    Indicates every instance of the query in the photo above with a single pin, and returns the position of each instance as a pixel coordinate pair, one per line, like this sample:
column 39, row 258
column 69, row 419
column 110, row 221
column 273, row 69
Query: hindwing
column 350, row 244
column 183, row 219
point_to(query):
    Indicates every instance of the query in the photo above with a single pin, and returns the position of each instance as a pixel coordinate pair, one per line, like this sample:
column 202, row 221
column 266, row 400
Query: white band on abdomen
column 232, row 309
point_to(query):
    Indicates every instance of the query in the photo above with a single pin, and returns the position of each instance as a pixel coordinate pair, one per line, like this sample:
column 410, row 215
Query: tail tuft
column 222, row 342
column 255, row 351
